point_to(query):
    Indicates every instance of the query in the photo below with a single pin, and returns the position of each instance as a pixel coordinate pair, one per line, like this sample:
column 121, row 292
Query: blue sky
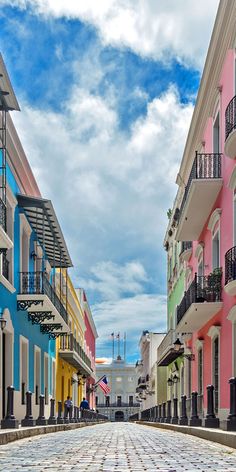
column 107, row 91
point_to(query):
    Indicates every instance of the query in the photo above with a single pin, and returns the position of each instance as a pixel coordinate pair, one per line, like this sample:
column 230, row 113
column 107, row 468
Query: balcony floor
column 46, row 305
column 197, row 316
column 230, row 288
column 201, row 198
column 169, row 356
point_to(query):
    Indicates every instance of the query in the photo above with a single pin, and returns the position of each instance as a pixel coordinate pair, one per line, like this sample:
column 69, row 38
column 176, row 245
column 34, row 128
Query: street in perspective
column 118, row 235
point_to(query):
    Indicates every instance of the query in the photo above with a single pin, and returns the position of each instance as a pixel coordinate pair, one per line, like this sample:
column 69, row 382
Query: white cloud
column 160, row 29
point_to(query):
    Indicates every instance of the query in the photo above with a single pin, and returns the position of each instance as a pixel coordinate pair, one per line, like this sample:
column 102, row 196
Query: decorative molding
column 199, row 343
column 11, row 199
column 214, row 331
column 215, row 216
column 199, row 249
column 232, row 180
column 232, row 314
column 24, row 225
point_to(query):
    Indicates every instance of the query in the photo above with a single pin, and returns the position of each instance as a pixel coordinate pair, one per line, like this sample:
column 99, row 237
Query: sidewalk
column 226, row 438
column 9, row 435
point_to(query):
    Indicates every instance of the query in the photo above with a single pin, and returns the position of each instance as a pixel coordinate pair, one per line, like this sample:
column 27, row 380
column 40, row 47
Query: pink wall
column 225, row 203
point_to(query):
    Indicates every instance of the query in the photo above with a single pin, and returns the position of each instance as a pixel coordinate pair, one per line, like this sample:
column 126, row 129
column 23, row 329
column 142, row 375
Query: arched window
column 214, row 333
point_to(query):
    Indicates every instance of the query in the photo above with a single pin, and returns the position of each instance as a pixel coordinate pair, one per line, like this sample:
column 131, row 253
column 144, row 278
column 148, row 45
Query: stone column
column 211, row 421
column 28, row 419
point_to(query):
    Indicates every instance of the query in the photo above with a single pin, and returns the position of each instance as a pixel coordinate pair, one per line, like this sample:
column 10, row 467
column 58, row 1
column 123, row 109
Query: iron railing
column 69, row 343
column 185, row 246
column 230, row 265
column 118, row 404
column 230, row 117
column 3, row 215
column 36, row 283
column 205, row 166
column 202, row 289
column 5, row 266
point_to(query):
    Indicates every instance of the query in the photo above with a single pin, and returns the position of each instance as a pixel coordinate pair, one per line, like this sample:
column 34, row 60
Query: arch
column 199, row 249
column 214, row 218
column 119, row 416
column 232, row 180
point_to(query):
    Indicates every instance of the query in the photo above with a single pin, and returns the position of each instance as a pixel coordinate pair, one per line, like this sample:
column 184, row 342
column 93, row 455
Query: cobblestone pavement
column 116, row 447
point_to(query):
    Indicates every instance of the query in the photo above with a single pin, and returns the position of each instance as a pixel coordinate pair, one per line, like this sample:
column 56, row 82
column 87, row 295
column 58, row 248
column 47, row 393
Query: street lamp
column 178, row 345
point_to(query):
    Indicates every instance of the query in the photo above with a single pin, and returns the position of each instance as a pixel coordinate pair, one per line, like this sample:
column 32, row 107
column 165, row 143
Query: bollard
column 194, row 420
column 211, row 421
column 60, row 419
column 168, row 417
column 159, row 413
column 156, row 413
column 183, row 418
column 10, row 421
column 52, row 419
column 71, row 419
column 66, row 414
column 78, row 415
column 231, row 420
column 28, row 419
column 75, row 414
column 175, row 418
column 163, row 416
column 41, row 420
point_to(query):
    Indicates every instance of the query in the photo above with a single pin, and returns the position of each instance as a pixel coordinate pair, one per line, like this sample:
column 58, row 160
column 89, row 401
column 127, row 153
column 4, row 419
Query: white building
column 151, row 384
column 122, row 379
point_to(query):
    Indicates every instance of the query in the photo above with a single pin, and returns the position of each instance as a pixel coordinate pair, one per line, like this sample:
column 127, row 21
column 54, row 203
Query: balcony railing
column 230, row 265
column 5, row 266
column 69, row 343
column 3, row 213
column 205, row 166
column 117, row 404
column 202, row 289
column 36, row 283
column 230, row 117
column 185, row 246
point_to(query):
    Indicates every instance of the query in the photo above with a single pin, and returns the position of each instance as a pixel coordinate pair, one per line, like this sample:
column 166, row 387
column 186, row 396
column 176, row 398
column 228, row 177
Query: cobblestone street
column 116, row 447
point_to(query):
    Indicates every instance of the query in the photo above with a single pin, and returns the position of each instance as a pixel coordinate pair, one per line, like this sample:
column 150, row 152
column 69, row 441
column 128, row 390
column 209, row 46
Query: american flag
column 104, row 386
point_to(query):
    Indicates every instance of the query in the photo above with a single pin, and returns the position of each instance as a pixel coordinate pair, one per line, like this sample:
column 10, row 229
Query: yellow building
column 73, row 366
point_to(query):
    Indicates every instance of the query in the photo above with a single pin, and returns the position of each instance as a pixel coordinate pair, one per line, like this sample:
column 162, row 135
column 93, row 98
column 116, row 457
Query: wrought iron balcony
column 201, row 301
column 230, row 271
column 36, row 294
column 230, row 129
column 3, row 212
column 5, row 241
column 165, row 351
column 186, row 250
column 203, row 186
column 71, row 351
column 5, row 265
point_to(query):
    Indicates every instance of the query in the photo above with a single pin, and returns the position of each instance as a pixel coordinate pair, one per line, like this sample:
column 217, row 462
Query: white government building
column 122, row 379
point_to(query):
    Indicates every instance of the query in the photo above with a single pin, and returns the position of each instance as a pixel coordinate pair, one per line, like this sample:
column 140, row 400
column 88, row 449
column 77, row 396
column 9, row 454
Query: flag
column 104, row 386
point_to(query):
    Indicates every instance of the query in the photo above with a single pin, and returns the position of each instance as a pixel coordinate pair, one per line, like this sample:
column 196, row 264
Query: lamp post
column 178, row 345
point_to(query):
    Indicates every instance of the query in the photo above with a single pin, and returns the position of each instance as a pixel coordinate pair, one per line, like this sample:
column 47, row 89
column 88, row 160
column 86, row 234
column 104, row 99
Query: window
column 216, row 250
column 96, row 400
column 200, row 371
column 119, row 379
column 37, row 373
column 131, row 400
column 216, row 135
column 107, row 400
column 119, row 400
column 24, row 367
column 216, row 371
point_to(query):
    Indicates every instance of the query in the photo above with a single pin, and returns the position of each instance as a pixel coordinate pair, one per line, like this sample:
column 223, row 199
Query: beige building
column 121, row 402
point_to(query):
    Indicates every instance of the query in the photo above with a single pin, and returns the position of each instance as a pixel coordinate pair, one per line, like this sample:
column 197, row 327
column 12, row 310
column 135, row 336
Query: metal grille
column 205, row 166
column 5, row 265
column 33, row 283
column 185, row 246
column 230, row 117
column 230, row 265
column 3, row 212
column 202, row 289
column 68, row 342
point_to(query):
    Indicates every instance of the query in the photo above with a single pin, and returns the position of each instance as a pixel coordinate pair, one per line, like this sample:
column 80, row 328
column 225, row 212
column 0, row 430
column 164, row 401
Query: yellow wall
column 64, row 373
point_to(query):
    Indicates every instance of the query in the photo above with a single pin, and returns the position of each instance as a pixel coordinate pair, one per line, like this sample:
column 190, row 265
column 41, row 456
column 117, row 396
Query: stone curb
column 21, row 433
column 226, row 438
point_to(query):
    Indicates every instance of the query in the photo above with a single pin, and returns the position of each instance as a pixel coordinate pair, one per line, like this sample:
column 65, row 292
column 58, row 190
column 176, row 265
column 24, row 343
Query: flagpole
column 118, row 344
column 94, row 385
column 113, row 346
column 124, row 346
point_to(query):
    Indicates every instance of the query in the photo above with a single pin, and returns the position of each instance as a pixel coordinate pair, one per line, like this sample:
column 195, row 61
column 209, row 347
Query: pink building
column 90, row 337
column 205, row 211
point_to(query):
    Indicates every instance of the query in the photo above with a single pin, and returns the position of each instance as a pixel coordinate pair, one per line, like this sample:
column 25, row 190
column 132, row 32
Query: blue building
column 33, row 291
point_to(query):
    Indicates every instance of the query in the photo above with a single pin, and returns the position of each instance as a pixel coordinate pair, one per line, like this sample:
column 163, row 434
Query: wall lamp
column 33, row 255
column 178, row 345
column 172, row 380
column 3, row 322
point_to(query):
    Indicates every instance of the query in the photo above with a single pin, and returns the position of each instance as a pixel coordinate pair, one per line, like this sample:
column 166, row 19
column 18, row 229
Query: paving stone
column 116, row 447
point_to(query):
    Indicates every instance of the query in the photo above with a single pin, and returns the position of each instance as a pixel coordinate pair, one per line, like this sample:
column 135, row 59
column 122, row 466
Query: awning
column 42, row 217
column 8, row 99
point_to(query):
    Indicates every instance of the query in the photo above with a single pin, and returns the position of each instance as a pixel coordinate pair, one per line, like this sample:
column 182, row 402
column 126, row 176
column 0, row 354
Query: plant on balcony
column 214, row 284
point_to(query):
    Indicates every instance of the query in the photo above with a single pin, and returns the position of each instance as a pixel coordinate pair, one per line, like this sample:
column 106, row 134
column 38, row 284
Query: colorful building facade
column 205, row 214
